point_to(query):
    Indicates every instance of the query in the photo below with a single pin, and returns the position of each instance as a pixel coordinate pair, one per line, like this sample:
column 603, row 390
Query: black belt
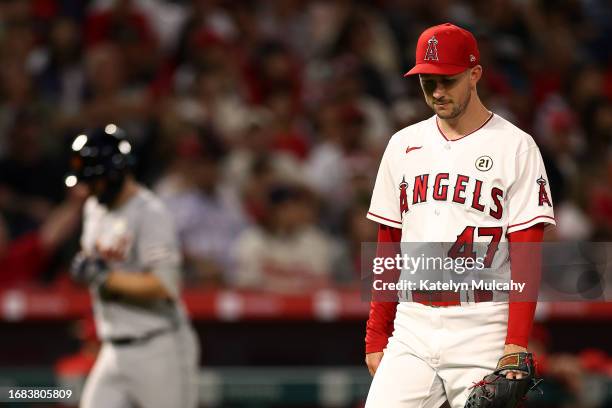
column 129, row 341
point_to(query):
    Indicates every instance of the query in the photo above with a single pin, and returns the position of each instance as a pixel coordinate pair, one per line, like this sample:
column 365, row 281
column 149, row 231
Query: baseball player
column 464, row 175
column 130, row 260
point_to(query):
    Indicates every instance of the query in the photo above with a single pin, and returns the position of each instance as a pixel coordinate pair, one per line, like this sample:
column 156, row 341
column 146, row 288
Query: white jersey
column 486, row 184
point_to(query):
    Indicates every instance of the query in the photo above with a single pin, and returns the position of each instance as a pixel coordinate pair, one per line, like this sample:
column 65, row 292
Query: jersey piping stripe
column 534, row 218
column 383, row 218
column 473, row 131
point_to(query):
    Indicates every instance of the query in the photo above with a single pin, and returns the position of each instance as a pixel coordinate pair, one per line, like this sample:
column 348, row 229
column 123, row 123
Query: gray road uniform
column 149, row 356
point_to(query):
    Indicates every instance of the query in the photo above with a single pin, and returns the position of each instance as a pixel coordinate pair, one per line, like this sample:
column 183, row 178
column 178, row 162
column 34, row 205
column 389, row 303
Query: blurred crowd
column 261, row 123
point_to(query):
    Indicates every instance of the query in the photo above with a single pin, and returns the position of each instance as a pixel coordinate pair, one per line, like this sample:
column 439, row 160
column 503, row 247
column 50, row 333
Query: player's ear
column 475, row 74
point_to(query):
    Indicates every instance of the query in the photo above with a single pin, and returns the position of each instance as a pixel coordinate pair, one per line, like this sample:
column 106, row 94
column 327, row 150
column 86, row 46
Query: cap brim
column 436, row 69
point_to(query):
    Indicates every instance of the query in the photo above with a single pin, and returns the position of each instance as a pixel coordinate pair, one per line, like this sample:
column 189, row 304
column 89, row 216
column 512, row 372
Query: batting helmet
column 100, row 154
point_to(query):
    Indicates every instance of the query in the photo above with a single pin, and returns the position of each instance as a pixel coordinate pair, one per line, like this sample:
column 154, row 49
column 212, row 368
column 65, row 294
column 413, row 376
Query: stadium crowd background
column 262, row 123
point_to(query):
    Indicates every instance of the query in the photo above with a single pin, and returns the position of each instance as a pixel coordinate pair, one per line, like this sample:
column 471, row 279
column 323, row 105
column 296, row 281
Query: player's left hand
column 509, row 349
column 497, row 390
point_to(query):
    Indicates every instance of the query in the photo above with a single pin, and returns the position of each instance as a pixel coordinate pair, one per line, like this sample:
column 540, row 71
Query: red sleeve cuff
column 380, row 325
column 520, row 322
column 380, row 322
column 520, row 311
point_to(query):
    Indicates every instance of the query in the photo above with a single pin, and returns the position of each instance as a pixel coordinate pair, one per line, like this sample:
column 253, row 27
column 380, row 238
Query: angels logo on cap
column 432, row 50
column 445, row 49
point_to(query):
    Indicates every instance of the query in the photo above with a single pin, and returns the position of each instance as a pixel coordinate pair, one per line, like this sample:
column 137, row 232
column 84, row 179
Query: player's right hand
column 372, row 360
column 88, row 270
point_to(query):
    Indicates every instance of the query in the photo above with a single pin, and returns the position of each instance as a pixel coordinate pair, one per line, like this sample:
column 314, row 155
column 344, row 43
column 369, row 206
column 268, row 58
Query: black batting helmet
column 100, row 153
column 101, row 157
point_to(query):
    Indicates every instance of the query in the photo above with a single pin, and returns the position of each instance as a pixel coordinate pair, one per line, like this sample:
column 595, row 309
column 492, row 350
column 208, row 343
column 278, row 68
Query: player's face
column 97, row 187
column 448, row 96
column 105, row 190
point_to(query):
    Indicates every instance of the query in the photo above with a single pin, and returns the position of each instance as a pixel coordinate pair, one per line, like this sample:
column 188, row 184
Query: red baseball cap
column 445, row 49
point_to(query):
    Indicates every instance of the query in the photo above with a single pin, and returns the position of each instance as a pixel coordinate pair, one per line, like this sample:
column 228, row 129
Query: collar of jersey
column 467, row 134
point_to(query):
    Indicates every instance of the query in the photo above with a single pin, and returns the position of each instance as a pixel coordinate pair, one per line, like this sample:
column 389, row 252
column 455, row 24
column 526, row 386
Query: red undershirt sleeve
column 380, row 321
column 525, row 261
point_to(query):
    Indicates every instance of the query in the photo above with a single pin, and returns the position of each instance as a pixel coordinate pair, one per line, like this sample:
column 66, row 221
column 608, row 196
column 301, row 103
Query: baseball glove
column 90, row 271
column 497, row 391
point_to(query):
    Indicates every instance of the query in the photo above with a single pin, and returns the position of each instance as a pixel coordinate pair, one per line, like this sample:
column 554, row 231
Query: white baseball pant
column 437, row 353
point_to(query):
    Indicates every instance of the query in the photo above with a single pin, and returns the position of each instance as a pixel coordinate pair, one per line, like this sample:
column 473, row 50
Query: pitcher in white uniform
column 464, row 175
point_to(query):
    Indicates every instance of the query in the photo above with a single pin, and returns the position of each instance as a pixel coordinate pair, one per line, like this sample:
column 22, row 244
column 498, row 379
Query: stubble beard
column 458, row 109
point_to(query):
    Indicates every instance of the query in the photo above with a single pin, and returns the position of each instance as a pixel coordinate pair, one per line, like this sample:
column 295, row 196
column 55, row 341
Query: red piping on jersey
column 473, row 131
column 527, row 222
column 383, row 218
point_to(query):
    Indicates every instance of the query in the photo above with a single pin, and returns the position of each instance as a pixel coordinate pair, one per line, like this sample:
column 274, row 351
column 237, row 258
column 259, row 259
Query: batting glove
column 89, row 271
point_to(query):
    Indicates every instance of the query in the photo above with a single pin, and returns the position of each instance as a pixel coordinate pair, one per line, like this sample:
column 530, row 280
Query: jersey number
column 464, row 246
